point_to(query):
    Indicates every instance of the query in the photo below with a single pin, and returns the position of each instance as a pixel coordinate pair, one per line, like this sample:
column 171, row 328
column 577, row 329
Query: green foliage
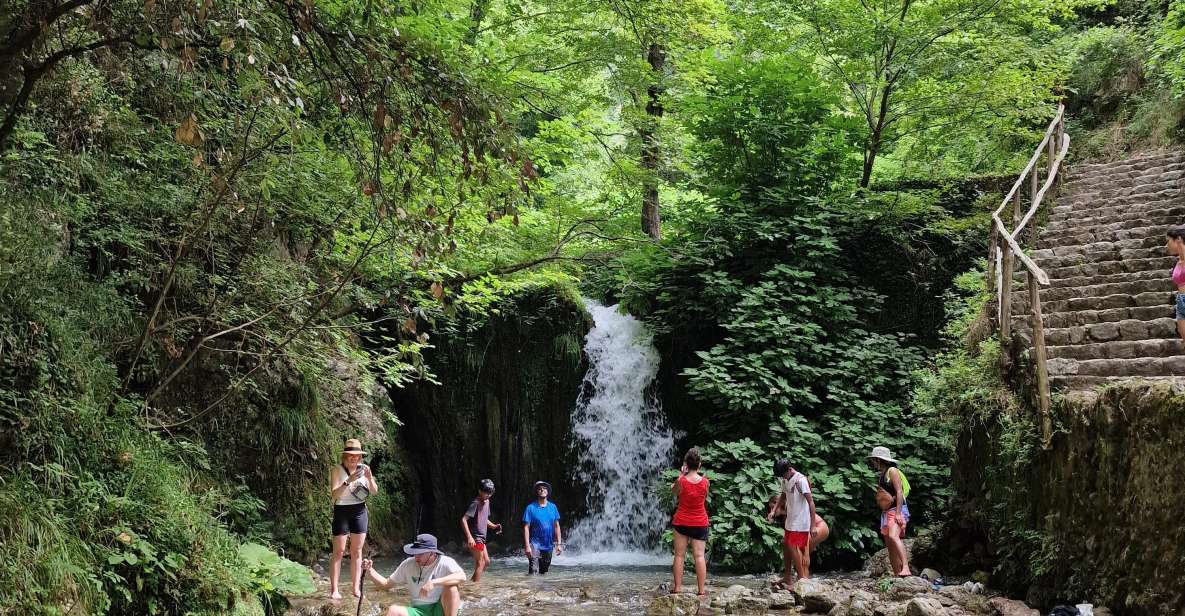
column 795, row 373
column 274, row 577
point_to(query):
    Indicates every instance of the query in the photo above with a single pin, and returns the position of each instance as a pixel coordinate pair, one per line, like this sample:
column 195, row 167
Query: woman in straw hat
column 350, row 484
column 890, row 496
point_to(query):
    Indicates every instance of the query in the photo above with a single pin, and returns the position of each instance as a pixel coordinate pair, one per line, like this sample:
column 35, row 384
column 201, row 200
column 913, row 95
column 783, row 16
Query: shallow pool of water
column 590, row 585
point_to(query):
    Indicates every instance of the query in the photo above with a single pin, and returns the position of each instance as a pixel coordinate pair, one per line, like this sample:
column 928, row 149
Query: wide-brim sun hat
column 544, row 484
column 353, row 445
column 881, row 453
column 422, row 545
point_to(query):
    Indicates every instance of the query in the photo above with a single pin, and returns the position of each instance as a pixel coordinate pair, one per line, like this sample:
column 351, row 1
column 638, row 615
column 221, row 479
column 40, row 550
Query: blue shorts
column 1181, row 306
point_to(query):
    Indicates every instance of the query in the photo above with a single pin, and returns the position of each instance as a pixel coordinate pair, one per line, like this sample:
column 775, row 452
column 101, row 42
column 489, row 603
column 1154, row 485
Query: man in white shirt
column 800, row 514
column 432, row 578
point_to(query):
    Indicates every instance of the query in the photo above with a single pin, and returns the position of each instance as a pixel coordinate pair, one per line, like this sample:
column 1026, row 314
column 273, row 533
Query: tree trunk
column 651, row 151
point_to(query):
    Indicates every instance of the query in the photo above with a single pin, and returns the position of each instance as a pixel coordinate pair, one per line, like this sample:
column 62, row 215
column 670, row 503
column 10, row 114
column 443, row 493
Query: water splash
column 622, row 439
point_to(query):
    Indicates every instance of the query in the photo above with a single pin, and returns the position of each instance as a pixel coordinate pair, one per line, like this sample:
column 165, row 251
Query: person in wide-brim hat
column 433, row 580
column 350, row 484
column 890, row 497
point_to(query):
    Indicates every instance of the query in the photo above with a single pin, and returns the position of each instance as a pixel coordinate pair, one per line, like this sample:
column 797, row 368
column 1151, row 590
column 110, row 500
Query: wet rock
column 802, row 588
column 749, row 605
column 818, row 602
column 961, row 597
column 588, row 593
column 908, row 588
column 1010, row 607
column 674, row 605
column 925, row 607
column 782, row 600
column 889, row 609
column 930, row 574
column 859, row 606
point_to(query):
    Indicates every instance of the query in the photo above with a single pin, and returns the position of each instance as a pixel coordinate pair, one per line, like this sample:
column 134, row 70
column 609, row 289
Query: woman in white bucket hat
column 890, row 496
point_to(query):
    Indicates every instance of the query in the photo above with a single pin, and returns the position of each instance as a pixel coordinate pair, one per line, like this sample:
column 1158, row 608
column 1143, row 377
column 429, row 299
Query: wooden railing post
column 1039, row 358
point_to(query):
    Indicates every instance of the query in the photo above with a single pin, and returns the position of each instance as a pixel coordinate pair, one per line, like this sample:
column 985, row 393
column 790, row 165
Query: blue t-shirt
column 542, row 524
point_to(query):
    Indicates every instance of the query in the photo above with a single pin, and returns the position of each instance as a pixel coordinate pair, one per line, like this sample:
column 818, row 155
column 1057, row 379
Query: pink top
column 1179, row 274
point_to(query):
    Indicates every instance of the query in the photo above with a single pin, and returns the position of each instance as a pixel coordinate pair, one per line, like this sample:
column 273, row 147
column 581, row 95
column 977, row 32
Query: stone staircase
column 1109, row 306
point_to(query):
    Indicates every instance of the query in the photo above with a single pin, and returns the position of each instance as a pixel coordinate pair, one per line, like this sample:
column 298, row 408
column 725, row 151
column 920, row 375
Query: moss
column 1094, row 518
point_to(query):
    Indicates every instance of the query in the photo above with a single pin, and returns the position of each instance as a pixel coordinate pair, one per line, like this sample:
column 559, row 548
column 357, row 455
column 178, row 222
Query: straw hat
column 353, row 445
column 881, row 453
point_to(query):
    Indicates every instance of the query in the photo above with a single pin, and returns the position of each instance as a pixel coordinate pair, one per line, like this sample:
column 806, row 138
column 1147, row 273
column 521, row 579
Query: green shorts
column 434, row 609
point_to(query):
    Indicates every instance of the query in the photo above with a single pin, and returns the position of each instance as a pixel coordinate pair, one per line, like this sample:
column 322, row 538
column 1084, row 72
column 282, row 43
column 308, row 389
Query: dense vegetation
column 222, row 224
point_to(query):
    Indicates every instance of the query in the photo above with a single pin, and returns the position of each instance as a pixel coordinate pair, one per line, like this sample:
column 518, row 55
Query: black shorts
column 350, row 519
column 692, row 532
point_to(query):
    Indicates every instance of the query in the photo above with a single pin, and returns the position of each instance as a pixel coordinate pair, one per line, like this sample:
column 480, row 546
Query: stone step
column 1047, row 263
column 1093, row 206
column 1131, row 329
column 1083, row 382
column 1162, row 263
column 1140, row 366
column 1119, row 349
column 1114, row 232
column 1140, row 237
column 1077, row 183
column 1158, row 323
column 1079, row 199
column 1138, row 162
column 1167, row 213
column 1020, row 305
column 1098, row 247
column 1124, row 287
column 1020, row 281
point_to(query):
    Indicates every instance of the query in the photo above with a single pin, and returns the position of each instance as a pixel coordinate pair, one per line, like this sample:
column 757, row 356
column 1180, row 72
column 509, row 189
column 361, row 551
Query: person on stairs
column 476, row 523
column 541, row 531
column 350, row 484
column 800, row 528
column 890, row 497
column 1176, row 248
column 690, row 522
column 432, row 579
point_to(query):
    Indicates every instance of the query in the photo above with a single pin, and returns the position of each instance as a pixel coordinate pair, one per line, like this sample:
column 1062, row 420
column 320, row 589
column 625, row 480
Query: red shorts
column 479, row 546
column 796, row 539
column 890, row 518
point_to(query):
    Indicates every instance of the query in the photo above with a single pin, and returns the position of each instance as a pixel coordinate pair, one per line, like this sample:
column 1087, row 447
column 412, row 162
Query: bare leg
column 396, row 610
column 335, row 565
column 800, row 562
column 450, row 600
column 479, row 563
column 787, row 565
column 897, row 548
column 677, row 563
column 357, row 540
column 701, row 564
column 1181, row 329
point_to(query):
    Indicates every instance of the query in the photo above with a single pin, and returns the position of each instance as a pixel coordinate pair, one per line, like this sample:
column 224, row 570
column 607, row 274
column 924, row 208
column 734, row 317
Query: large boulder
column 1011, row 607
column 925, row 607
column 877, row 565
column 819, row 602
column 674, row 605
column 738, row 599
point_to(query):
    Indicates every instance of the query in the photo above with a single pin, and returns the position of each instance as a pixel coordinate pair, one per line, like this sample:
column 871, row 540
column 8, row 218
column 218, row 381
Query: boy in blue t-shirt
column 541, row 531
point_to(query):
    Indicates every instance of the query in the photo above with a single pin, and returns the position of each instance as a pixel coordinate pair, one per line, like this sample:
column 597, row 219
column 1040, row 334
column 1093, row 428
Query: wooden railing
column 1002, row 255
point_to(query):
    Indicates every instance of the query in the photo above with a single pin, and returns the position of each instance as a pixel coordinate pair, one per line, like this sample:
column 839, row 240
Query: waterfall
column 622, row 440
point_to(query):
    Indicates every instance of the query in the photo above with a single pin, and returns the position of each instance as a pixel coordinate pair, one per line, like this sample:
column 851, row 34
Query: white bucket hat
column 881, row 453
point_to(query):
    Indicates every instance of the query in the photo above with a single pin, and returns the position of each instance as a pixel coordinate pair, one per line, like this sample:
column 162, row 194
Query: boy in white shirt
column 800, row 515
column 432, row 579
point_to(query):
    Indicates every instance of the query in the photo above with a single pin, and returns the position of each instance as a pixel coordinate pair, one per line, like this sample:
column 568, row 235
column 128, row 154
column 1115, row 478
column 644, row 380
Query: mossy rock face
column 1099, row 517
column 508, row 383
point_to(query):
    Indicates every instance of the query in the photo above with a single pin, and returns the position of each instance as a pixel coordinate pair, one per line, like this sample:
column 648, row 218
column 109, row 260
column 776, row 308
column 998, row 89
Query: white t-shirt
column 410, row 573
column 347, row 497
column 798, row 511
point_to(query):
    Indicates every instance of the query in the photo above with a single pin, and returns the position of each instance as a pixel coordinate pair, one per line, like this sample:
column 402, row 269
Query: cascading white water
column 623, row 442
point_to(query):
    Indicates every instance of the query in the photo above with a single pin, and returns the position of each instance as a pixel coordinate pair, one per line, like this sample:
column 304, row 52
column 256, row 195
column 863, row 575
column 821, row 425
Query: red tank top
column 691, row 511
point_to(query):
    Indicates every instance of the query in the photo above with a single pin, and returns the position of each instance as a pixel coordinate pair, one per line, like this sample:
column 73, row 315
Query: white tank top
column 347, row 497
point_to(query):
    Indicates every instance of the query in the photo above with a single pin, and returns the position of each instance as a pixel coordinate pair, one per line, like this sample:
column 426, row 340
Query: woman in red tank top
column 690, row 521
